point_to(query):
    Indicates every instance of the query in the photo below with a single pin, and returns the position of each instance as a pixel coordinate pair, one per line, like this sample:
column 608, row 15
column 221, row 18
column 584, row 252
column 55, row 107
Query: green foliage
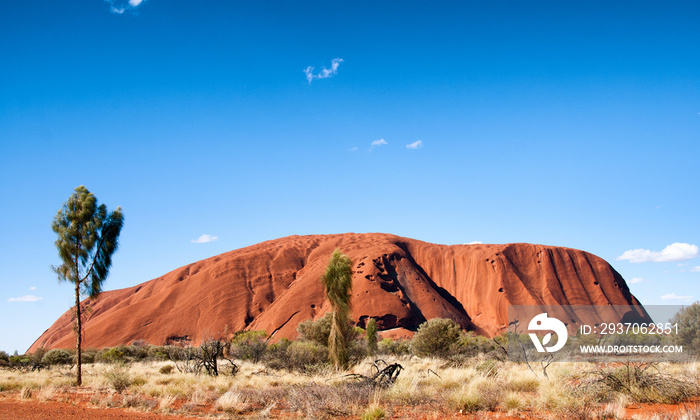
column 276, row 355
column 57, row 357
column 316, row 331
column 371, row 334
column 37, row 356
column 470, row 345
column 4, row 356
column 249, row 345
column 89, row 356
column 393, row 347
column 112, row 355
column 688, row 320
column 87, row 238
column 306, row 356
column 435, row 337
column 337, row 282
column 373, row 412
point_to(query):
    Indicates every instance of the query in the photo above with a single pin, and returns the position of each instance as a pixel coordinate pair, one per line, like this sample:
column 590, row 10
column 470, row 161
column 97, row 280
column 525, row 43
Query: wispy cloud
column 673, row 296
column 674, row 252
column 354, row 149
column 474, row 243
column 324, row 73
column 380, row 142
column 696, row 269
column 205, row 239
column 25, row 298
column 636, row 280
column 121, row 6
column 32, row 288
column 415, row 145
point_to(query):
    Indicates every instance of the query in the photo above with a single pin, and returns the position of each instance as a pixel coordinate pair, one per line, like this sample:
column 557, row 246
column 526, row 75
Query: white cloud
column 324, row 73
column 121, row 6
column 696, row 269
column 354, row 149
column 380, row 142
column 673, row 296
column 204, row 239
column 636, row 280
column 32, row 288
column 25, row 298
column 474, row 243
column 674, row 252
column 415, row 145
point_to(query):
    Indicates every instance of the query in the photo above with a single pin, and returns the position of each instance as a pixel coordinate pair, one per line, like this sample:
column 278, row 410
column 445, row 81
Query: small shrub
column 316, row 331
column 373, row 412
column 113, row 355
column 393, row 347
column 89, row 356
column 57, row 357
column 371, row 334
column 158, row 352
column 276, row 355
column 232, row 402
column 249, row 345
column 118, row 377
column 166, row 370
column 435, row 337
column 488, row 368
column 528, row 384
column 4, row 356
column 514, row 401
column 305, row 356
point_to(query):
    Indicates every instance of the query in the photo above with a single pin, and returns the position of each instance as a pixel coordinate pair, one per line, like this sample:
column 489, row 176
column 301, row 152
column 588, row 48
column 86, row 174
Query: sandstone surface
column 401, row 282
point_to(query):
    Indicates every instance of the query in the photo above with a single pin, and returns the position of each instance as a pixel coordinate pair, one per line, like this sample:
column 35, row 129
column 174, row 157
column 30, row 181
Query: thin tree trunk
column 79, row 380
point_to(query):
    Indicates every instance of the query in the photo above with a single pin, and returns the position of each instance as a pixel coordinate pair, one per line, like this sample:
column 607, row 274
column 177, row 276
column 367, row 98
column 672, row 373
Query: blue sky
column 563, row 123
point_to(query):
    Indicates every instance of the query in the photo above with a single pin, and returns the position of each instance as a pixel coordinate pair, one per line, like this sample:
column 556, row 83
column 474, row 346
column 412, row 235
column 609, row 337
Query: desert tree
column 337, row 282
column 371, row 334
column 87, row 237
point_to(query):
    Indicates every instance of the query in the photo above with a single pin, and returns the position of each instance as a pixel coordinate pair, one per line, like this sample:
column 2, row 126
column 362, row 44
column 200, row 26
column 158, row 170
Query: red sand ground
column 78, row 406
column 400, row 282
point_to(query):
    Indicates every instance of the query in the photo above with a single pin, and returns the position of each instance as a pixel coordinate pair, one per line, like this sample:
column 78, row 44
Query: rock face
column 401, row 282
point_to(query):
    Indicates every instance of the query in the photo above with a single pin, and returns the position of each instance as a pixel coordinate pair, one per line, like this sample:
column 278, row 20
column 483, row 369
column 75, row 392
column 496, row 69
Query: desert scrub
column 57, row 357
column 373, row 412
column 118, row 377
column 232, row 402
column 435, row 338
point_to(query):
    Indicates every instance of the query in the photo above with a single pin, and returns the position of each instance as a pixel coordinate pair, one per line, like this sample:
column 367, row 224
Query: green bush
column 393, row 347
column 316, row 331
column 688, row 320
column 4, row 356
column 57, row 357
column 158, row 352
column 112, row 355
column 371, row 334
column 38, row 355
column 89, row 356
column 305, row 356
column 249, row 345
column 435, row 338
